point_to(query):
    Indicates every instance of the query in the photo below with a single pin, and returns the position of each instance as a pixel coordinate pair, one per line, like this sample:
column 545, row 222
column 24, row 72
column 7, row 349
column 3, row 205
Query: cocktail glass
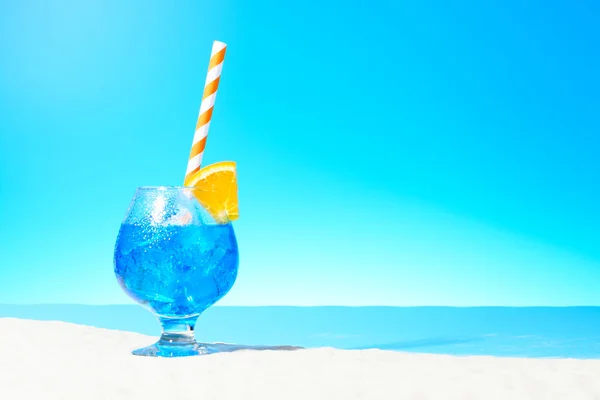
column 174, row 259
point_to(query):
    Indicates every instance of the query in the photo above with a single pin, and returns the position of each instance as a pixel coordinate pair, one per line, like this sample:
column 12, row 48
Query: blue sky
column 389, row 152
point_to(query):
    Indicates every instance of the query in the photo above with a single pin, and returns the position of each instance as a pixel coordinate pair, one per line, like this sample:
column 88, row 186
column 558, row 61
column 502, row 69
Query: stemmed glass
column 174, row 259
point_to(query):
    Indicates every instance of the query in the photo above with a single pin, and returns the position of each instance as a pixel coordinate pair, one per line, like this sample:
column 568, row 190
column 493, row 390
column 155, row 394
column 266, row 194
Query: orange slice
column 218, row 191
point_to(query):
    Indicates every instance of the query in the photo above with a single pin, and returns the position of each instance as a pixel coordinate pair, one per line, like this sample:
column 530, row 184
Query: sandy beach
column 58, row 360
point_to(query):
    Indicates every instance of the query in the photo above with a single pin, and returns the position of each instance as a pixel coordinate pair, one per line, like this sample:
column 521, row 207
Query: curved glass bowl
column 173, row 258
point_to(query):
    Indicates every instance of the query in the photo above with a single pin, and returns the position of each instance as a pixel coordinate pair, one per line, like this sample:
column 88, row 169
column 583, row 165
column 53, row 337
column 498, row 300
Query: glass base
column 160, row 349
column 177, row 340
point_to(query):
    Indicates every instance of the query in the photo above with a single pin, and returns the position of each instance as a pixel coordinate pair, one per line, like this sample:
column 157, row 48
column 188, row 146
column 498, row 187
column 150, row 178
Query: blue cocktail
column 175, row 259
column 176, row 252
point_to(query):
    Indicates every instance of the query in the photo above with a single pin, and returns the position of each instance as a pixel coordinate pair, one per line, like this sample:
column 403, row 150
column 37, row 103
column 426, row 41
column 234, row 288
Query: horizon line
column 307, row 306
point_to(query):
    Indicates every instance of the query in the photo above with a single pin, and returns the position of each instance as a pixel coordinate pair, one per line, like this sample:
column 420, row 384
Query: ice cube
column 158, row 209
column 181, row 218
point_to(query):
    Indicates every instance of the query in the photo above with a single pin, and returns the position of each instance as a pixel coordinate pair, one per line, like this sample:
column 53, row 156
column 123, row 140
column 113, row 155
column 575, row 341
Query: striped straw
column 206, row 109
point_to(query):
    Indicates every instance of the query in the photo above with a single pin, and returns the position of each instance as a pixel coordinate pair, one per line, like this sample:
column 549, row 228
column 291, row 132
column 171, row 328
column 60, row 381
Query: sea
column 535, row 332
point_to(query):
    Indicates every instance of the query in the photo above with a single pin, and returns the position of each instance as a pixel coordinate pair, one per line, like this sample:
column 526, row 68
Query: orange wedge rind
column 217, row 190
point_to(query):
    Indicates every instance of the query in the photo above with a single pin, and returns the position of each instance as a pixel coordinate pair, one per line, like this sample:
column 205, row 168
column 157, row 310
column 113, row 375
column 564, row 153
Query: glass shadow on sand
column 198, row 348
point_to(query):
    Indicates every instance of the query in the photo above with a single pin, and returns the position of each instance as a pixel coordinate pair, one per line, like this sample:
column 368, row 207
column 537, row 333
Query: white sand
column 57, row 360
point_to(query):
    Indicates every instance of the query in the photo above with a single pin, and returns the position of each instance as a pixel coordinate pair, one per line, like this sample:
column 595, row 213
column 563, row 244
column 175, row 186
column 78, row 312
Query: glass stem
column 178, row 331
